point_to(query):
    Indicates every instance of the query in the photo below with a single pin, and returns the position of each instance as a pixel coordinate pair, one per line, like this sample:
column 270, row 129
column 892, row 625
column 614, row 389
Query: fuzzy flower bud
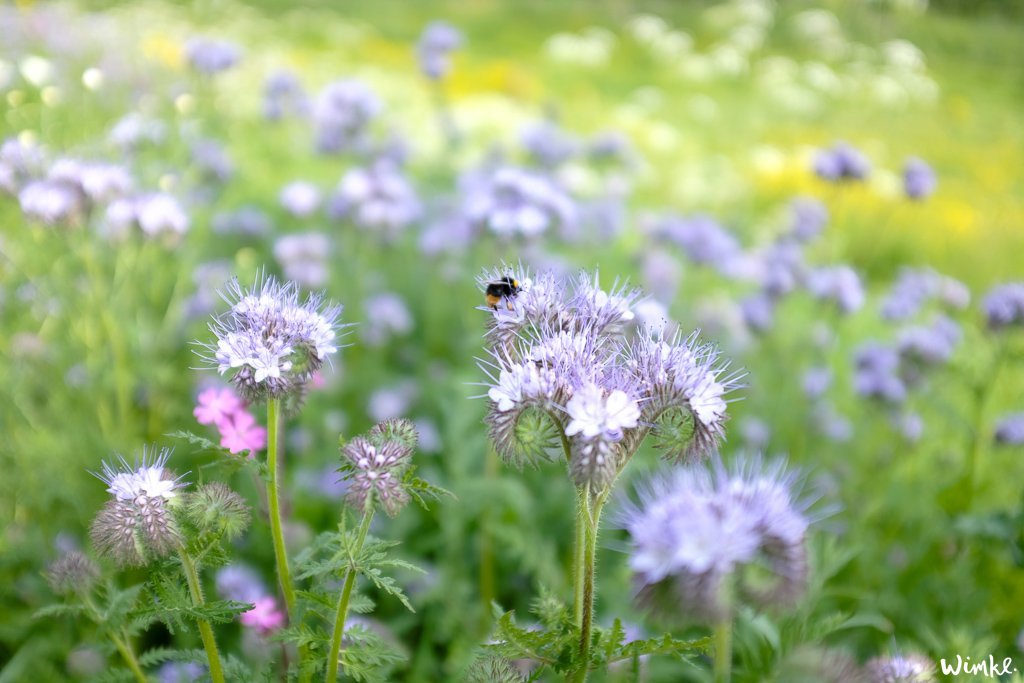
column 376, row 470
column 73, row 572
column 137, row 524
column 216, row 509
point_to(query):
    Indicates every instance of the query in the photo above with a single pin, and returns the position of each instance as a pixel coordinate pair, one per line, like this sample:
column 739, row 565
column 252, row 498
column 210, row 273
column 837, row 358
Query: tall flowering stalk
column 270, row 344
column 566, row 376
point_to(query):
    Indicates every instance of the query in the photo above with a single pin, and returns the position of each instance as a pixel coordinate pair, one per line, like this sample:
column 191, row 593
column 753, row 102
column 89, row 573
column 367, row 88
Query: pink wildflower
column 241, row 433
column 215, row 406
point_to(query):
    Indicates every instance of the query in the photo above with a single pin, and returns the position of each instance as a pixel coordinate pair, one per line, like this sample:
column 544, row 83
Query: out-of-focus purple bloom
column 611, row 146
column 840, row 284
column 304, row 257
column 246, row 220
column 516, row 202
column 392, row 402
column 702, row 238
column 342, row 116
column 134, row 130
column 929, row 345
column 452, row 232
column 210, row 56
column 51, row 202
column 841, row 162
column 300, row 198
column 180, row 672
column 834, row 426
column 912, row 668
column 919, row 180
column 662, row 274
column 207, row 277
column 283, row 95
column 1004, row 306
column 816, row 381
column 758, row 312
column 877, row 373
column 781, row 268
column 1010, row 430
column 809, row 217
column 910, row 425
column 377, row 198
column 916, row 286
column 386, row 315
column 694, row 529
column 212, row 161
column 161, row 214
column 547, row 144
column 756, row 433
column 240, row 582
column 436, row 43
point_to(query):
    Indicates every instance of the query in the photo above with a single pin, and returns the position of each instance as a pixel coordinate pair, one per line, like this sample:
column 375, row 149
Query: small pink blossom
column 264, row 616
column 215, row 406
column 317, row 380
column 241, row 433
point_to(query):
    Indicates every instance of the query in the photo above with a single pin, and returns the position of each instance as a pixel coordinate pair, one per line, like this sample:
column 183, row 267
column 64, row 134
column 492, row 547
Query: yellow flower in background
column 162, row 48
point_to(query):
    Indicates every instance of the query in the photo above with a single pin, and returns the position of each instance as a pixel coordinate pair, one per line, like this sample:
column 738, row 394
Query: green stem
column 580, row 552
column 487, row 590
column 346, row 595
column 979, row 436
column 123, row 643
column 274, row 468
column 723, row 651
column 592, row 517
column 205, row 630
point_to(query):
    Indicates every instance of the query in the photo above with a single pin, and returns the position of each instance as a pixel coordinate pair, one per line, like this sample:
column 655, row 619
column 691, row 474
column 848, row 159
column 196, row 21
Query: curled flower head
column 1004, row 306
column 912, row 668
column 72, row 572
column 375, row 466
column 695, row 531
column 137, row 524
column 269, row 343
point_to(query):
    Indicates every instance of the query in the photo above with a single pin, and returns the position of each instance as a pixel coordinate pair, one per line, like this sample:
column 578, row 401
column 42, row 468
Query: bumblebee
column 505, row 288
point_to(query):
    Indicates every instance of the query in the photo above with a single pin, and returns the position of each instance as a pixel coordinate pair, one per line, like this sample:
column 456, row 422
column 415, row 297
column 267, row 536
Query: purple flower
column 376, row 470
column 386, row 316
column 758, row 312
column 240, row 582
column 304, row 257
column 841, row 162
column 51, row 202
column 211, row 56
column 816, row 381
column 1010, row 430
column 511, row 201
column 840, row 284
column 268, row 343
column 919, row 180
column 436, row 42
column 917, row 286
column 136, row 525
column 693, row 529
column 377, row 198
column 547, row 144
column 342, row 116
column 809, row 217
column 1004, row 306
column 921, row 346
column 912, row 668
column 300, row 198
column 877, row 373
column 246, row 220
column 703, row 239
column 830, row 423
column 283, row 95
column 212, row 161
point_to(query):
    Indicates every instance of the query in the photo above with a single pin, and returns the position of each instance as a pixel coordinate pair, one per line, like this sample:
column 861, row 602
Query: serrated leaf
column 58, row 610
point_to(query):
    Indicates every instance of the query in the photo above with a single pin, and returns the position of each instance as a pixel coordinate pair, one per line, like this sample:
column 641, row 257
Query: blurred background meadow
column 744, row 162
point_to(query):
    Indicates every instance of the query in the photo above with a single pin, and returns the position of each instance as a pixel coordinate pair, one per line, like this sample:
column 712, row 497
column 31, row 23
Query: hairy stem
column 274, row 468
column 592, row 517
column 578, row 558
column 205, row 630
column 346, row 594
column 121, row 641
column 723, row 651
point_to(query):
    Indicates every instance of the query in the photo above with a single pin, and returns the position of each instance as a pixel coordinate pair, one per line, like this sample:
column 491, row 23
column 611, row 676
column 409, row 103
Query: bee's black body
column 505, row 288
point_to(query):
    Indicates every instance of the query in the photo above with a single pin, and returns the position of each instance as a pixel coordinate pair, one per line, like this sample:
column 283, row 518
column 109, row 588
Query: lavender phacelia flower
column 378, row 198
column 269, row 343
column 1004, row 306
column 919, row 180
column 240, row 582
column 375, row 466
column 511, row 202
column 51, row 202
column 877, row 373
column 816, row 381
column 436, row 43
column 210, row 56
column 915, row 287
column 841, row 162
column 303, row 258
column 300, row 198
column 138, row 524
column 245, row 220
column 703, row 239
column 212, row 161
column 386, row 316
column 840, row 284
column 342, row 116
column 695, row 530
column 1010, row 430
column 283, row 95
column 547, row 144
column 809, row 217
column 912, row 668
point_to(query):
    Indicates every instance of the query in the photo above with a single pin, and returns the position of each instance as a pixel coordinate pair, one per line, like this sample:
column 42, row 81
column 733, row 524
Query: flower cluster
column 437, row 41
column 1010, row 430
column 342, row 116
column 377, row 198
column 919, row 180
column 375, row 466
column 563, row 370
column 915, row 287
column 269, row 343
column 694, row 530
column 1004, row 306
column 511, row 201
column 137, row 524
column 841, row 162
column 209, row 56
